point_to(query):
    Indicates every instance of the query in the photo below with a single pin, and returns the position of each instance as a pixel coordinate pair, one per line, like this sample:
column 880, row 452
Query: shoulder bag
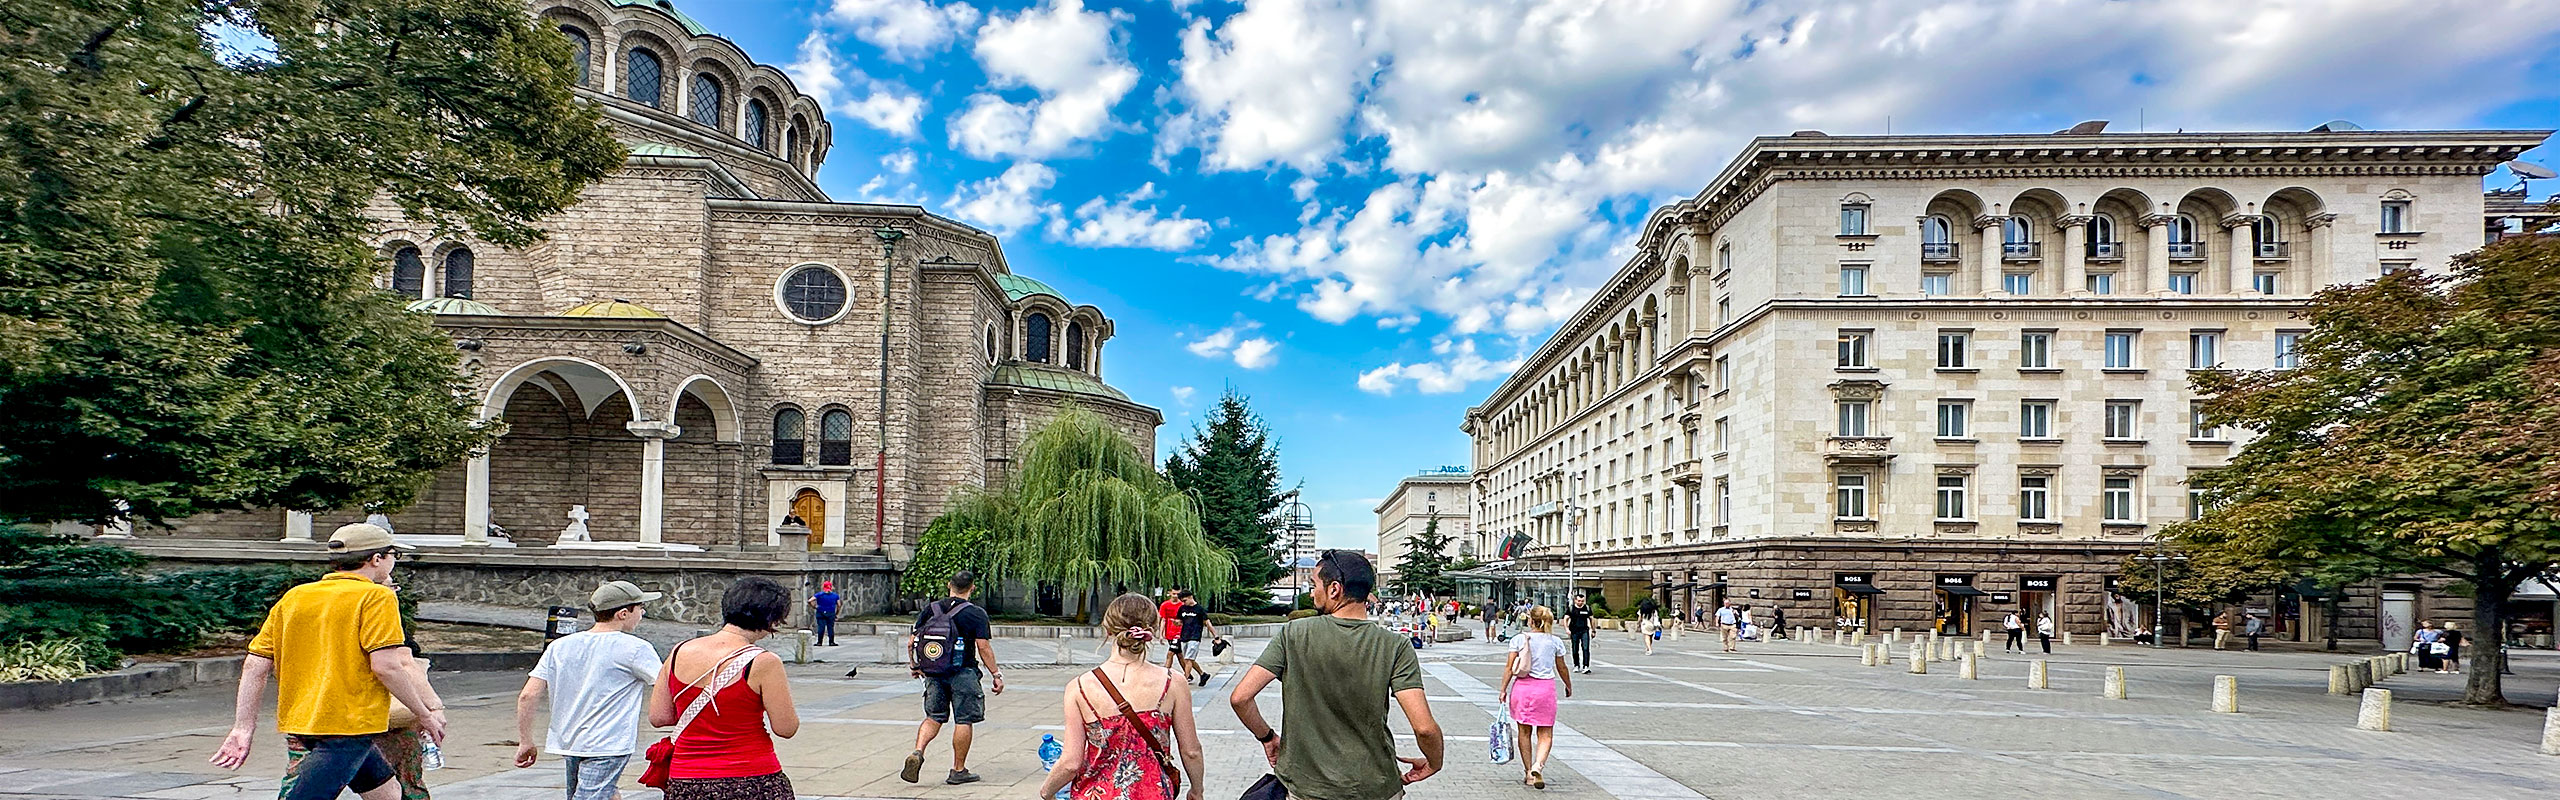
column 662, row 756
column 1172, row 774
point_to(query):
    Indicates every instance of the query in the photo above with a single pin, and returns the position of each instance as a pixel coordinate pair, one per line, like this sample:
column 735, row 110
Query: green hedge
column 56, row 588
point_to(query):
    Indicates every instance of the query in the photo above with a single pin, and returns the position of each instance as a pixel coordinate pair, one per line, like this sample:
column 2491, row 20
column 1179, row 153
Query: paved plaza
column 1779, row 720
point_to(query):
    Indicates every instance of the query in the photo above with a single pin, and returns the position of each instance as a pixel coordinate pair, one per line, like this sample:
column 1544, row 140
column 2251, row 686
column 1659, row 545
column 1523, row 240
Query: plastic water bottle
column 431, row 756
column 1050, row 751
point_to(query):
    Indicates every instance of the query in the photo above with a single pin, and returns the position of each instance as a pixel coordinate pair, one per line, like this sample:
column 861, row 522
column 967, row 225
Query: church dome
column 454, row 306
column 1017, row 287
column 616, row 308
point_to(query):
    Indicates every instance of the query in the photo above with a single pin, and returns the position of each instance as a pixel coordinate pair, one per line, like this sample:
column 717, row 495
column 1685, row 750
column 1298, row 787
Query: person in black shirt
column 955, row 698
column 1196, row 630
column 1578, row 626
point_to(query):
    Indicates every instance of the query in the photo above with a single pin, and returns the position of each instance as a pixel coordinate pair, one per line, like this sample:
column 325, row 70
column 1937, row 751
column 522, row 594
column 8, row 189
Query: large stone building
column 706, row 345
column 1919, row 381
column 1418, row 500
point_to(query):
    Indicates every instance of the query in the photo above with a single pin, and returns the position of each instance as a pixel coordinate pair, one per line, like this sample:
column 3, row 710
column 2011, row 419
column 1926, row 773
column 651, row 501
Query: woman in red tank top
column 726, row 752
column 1109, row 755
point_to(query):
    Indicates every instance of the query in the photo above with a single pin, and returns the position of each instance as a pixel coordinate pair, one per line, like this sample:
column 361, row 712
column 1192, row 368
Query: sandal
column 1537, row 781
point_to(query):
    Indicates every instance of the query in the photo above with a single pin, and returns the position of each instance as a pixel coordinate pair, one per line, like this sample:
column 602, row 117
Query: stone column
column 2315, row 265
column 2244, row 252
column 2155, row 253
column 475, row 499
column 297, row 526
column 2075, row 257
column 653, row 475
column 1988, row 228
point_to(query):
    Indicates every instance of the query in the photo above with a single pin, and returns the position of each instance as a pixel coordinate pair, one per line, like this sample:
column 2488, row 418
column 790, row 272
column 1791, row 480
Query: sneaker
column 960, row 776
column 914, row 768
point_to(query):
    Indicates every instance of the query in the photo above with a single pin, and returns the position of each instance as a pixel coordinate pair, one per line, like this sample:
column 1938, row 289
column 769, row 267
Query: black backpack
column 939, row 648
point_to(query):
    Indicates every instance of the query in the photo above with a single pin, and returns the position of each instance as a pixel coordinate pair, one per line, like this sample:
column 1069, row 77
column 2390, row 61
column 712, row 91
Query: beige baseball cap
column 616, row 594
column 361, row 537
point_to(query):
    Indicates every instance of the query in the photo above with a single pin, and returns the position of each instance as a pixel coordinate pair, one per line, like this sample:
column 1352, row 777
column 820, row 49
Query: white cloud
column 1455, row 365
column 1121, row 223
column 1275, row 83
column 1237, row 342
column 1182, row 394
column 883, row 105
column 1068, row 58
column 1009, row 201
column 903, row 29
column 900, row 163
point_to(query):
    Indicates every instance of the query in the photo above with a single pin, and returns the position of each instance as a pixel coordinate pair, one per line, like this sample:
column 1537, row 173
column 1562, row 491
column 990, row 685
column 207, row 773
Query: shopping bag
column 1502, row 738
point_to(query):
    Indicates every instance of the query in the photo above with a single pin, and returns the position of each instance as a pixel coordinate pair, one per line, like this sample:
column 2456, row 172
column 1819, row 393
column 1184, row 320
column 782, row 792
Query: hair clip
column 1136, row 633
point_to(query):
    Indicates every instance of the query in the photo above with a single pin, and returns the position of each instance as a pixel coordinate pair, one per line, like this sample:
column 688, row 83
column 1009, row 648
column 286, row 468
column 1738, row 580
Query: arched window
column 582, row 50
column 1035, row 345
column 790, row 439
column 408, row 273
column 790, row 140
column 754, row 133
column 2265, row 227
column 457, row 273
column 1937, row 230
column 641, row 78
column 1075, row 345
column 991, row 344
column 2102, row 238
column 835, row 438
column 704, row 104
column 2183, row 229
column 2016, row 230
column 813, row 294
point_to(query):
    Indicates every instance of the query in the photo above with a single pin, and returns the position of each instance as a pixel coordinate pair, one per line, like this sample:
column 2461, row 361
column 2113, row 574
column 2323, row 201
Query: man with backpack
column 949, row 649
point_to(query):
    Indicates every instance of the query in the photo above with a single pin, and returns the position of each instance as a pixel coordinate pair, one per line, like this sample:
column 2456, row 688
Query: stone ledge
column 133, row 681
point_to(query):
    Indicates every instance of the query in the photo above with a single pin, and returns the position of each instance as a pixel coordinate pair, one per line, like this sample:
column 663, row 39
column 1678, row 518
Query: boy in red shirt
column 1169, row 612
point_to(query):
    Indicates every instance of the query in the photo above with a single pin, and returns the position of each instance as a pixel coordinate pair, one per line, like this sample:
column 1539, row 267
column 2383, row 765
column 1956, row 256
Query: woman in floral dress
column 1106, row 757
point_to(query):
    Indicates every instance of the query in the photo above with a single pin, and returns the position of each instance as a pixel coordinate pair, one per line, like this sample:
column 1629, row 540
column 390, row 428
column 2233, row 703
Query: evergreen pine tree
column 1231, row 463
column 1424, row 567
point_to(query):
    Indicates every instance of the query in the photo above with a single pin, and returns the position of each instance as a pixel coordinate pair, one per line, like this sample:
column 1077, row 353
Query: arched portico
column 564, row 411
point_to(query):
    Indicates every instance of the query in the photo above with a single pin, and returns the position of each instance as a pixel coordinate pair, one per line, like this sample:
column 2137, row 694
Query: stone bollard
column 2375, row 714
column 2036, row 676
column 893, row 649
column 1858, row 637
column 1066, row 651
column 2381, row 668
column 2115, row 683
column 2066, row 638
column 1978, row 646
column 1986, row 636
column 1971, row 669
column 2400, row 663
column 1893, row 638
column 2226, row 694
column 1919, row 660
column 800, row 647
column 2106, row 638
column 1866, row 656
column 2340, row 683
column 2551, row 731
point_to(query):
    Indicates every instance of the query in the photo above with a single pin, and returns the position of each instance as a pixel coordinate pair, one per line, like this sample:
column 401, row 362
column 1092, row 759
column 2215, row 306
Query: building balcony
column 2186, row 251
column 2021, row 251
column 1685, row 472
column 1939, row 251
column 2106, row 251
column 1546, row 509
column 2274, row 251
column 1839, row 450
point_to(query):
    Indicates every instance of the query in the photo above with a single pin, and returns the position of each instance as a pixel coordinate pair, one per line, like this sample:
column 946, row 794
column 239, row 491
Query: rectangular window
column 1853, row 349
column 1955, row 349
column 2102, row 283
column 1724, row 257
column 2395, row 216
column 1853, row 281
column 1724, row 310
column 2035, row 350
column 2118, row 501
column 2182, row 283
column 1853, row 219
column 1853, row 418
column 1951, row 489
column 2035, row 419
column 2198, row 425
column 2204, row 350
column 2035, row 495
column 2020, row 283
column 1724, row 501
column 2288, row 349
column 1955, row 419
column 1937, row 285
column 1724, row 373
column 2195, row 504
column 1850, row 493
column 2123, row 419
column 2120, row 350
column 1724, row 427
column 2264, row 282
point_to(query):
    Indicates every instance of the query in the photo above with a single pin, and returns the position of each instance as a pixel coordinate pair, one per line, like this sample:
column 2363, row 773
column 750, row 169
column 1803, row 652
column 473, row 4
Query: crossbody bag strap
column 1131, row 715
column 703, row 693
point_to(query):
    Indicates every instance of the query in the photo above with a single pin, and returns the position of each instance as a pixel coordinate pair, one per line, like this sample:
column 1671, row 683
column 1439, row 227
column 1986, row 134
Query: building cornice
column 860, row 215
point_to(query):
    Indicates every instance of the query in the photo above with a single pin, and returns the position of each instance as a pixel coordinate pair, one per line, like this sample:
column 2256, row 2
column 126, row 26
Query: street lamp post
column 2160, row 593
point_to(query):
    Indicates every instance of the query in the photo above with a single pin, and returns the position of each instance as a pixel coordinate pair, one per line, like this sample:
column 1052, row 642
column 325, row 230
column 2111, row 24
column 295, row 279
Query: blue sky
column 1362, row 214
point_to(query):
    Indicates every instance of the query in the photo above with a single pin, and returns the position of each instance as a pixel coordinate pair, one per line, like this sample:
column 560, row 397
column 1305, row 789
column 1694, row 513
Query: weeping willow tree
column 1088, row 513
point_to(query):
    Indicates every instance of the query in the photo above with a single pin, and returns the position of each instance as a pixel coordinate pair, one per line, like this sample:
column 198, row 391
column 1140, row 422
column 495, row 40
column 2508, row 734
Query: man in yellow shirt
column 333, row 646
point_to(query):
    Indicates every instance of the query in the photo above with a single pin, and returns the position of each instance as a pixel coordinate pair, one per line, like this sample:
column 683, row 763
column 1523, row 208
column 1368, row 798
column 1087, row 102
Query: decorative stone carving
column 1953, row 528
column 1988, row 221
column 1857, row 389
column 2072, row 221
column 2039, row 528
column 1853, row 526
column 2037, row 470
column 577, row 530
column 2123, row 528
column 1964, row 470
column 2239, row 220
column 2321, row 220
column 2122, row 472
column 1838, row 450
column 2157, row 220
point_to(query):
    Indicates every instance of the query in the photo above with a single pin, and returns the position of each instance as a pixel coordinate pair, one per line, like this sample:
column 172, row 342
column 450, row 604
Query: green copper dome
column 1017, row 287
column 668, row 6
column 1054, row 379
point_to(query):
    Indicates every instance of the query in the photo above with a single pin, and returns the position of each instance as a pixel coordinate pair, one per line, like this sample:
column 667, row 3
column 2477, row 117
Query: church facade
column 707, row 353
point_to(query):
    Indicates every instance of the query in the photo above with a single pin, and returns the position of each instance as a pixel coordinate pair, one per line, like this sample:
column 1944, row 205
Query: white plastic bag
column 1503, row 738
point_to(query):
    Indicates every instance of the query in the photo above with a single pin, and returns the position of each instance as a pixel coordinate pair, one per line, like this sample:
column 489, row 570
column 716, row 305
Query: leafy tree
column 1088, row 512
column 1231, row 463
column 2201, row 583
column 2420, row 435
column 1422, row 568
column 949, row 546
column 186, row 318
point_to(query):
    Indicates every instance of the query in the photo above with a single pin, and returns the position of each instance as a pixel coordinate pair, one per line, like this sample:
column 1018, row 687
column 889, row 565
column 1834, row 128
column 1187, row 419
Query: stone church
column 707, row 345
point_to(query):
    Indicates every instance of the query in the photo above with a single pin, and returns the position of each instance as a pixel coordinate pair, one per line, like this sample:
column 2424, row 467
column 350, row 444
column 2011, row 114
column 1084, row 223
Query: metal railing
column 2274, row 250
column 2186, row 250
column 2106, row 250
column 2021, row 251
column 1938, row 251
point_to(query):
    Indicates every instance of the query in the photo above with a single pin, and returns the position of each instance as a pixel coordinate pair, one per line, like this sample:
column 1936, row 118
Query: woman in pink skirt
column 1529, row 681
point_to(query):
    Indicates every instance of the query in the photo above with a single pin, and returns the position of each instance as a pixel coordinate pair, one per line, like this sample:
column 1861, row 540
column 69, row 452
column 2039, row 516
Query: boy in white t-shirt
column 601, row 676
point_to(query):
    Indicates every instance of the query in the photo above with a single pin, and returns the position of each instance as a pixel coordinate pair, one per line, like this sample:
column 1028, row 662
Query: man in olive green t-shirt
column 1337, row 671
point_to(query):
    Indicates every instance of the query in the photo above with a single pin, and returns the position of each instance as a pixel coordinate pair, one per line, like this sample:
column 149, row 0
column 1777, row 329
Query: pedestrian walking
column 1166, row 612
column 727, row 698
column 1192, row 625
column 333, row 648
column 597, row 680
column 1648, row 622
column 2016, row 630
column 1777, row 622
column 2221, row 628
column 2254, row 627
column 1492, row 615
column 1578, row 625
column 2423, row 645
column 2452, row 641
column 1337, row 673
column 1529, row 680
column 1729, row 627
column 1114, row 750
column 823, row 608
column 951, row 648
column 2044, row 632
